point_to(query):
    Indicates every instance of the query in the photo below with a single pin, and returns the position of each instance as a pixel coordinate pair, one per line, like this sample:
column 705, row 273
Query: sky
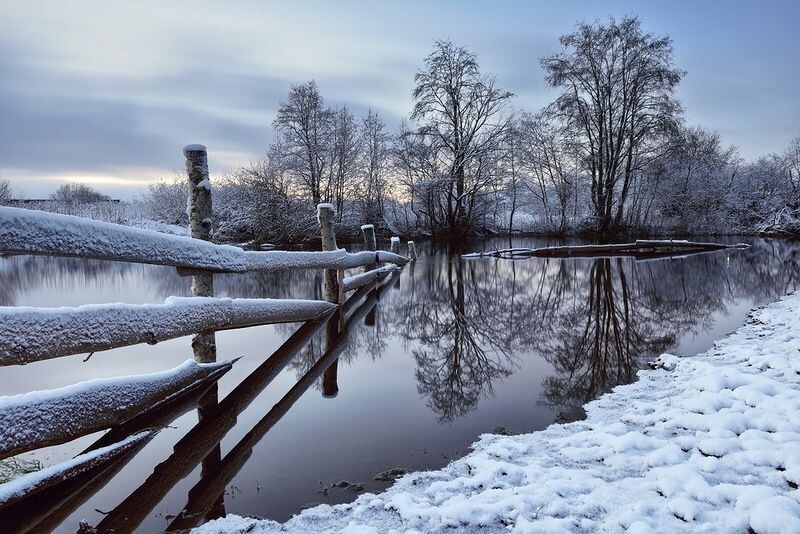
column 107, row 93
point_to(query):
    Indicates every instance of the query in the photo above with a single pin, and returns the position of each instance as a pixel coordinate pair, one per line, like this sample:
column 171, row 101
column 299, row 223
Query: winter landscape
column 371, row 267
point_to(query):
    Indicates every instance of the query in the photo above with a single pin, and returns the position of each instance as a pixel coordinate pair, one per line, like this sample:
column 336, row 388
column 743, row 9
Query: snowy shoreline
column 707, row 443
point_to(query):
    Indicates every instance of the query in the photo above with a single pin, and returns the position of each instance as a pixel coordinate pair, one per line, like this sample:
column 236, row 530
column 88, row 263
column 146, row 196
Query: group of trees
column 612, row 154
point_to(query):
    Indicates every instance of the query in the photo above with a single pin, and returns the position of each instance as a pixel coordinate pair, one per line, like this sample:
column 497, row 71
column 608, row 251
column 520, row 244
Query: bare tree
column 306, row 128
column 459, row 110
column 375, row 143
column 618, row 91
column 343, row 158
column 549, row 153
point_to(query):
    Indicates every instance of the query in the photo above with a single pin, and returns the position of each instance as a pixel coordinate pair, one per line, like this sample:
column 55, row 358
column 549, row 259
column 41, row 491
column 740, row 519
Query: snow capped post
column 369, row 237
column 412, row 251
column 200, row 224
column 370, row 243
column 199, row 208
column 395, row 246
column 325, row 215
column 333, row 293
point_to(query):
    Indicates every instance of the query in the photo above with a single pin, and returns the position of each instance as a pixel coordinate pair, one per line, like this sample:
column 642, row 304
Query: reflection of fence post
column 395, row 246
column 412, row 251
column 325, row 214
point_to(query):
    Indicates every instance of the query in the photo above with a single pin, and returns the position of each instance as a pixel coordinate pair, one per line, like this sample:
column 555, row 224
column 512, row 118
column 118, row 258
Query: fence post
column 200, row 225
column 412, row 251
column 199, row 210
column 325, row 215
column 370, row 243
column 369, row 237
column 395, row 246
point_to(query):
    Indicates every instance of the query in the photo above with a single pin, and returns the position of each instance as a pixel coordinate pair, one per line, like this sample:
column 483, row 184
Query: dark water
column 454, row 348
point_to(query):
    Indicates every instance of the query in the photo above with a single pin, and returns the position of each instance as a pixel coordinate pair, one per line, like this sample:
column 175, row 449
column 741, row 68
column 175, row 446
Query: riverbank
column 704, row 443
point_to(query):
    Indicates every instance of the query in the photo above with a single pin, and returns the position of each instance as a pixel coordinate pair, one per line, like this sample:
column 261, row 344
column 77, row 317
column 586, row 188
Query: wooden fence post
column 412, row 251
column 200, row 210
column 325, row 215
column 333, row 293
column 369, row 237
column 395, row 246
column 201, row 226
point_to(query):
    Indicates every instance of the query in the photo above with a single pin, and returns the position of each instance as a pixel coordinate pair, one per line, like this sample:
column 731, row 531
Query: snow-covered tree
column 461, row 115
column 618, row 91
column 306, row 128
column 375, row 154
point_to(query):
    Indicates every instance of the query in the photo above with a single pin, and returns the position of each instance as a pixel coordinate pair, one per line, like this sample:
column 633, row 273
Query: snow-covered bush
column 165, row 201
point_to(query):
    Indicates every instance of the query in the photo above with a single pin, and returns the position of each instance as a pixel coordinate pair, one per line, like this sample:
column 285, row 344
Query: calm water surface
column 453, row 349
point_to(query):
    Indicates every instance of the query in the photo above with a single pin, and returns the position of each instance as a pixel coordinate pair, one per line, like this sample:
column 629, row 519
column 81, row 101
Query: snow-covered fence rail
column 34, row 232
column 190, row 450
column 359, row 280
column 34, row 334
column 43, row 418
column 201, row 439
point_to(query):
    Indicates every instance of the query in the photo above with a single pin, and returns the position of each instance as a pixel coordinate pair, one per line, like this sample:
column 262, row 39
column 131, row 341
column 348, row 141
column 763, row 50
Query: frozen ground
column 709, row 443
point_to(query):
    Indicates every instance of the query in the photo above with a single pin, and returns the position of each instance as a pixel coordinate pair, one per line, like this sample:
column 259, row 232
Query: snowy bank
column 709, row 443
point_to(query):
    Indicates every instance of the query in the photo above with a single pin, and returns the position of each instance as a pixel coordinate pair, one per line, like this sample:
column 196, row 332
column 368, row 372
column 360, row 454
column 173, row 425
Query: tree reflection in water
column 596, row 322
column 461, row 350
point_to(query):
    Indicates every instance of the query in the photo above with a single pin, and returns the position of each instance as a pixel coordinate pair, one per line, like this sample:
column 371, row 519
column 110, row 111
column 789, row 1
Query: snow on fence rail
column 43, row 418
column 34, row 232
column 359, row 280
column 33, row 334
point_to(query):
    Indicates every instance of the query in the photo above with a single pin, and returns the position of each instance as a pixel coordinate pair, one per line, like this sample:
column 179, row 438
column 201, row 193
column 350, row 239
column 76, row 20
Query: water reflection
column 467, row 329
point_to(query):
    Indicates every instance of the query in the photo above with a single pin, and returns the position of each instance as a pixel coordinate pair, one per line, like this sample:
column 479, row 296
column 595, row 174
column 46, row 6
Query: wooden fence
column 132, row 409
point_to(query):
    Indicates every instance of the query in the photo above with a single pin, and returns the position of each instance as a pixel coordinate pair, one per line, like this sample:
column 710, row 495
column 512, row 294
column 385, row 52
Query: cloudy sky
column 107, row 93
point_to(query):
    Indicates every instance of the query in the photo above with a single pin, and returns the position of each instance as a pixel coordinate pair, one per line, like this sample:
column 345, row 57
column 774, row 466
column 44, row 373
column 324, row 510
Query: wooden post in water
column 201, row 225
column 333, row 293
column 395, row 246
column 371, row 244
column 204, row 344
column 412, row 251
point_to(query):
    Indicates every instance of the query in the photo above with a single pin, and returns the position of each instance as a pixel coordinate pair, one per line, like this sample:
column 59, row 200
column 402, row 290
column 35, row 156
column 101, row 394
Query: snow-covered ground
column 709, row 443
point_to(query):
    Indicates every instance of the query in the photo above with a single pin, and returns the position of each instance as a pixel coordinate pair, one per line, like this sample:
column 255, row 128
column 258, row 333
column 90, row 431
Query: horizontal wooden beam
column 40, row 233
column 43, row 418
column 33, row 334
column 359, row 280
